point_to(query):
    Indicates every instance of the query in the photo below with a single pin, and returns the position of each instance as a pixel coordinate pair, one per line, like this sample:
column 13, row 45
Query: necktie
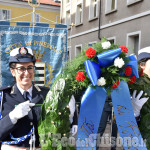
column 26, row 95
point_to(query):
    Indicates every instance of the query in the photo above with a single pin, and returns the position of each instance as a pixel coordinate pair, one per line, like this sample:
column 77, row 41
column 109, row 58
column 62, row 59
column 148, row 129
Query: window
column 111, row 5
column 78, row 49
column 37, row 17
column 57, row 18
column 133, row 42
column 91, row 43
column 129, row 2
column 68, row 13
column 93, row 11
column 79, row 13
column 4, row 14
column 68, row 17
column 112, row 40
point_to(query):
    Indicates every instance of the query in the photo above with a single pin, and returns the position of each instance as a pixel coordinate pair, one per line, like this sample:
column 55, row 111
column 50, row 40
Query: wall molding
column 112, row 24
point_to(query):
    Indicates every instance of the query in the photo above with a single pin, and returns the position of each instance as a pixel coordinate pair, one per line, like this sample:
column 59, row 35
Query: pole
column 34, row 4
column 33, row 24
column 99, row 28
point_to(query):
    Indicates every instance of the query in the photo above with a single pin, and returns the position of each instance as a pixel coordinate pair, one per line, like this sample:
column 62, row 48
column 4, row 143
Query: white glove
column 74, row 130
column 72, row 105
column 20, row 111
column 137, row 103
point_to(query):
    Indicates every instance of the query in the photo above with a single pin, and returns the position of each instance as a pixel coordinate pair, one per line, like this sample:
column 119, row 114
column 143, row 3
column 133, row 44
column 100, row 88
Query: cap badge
column 23, row 51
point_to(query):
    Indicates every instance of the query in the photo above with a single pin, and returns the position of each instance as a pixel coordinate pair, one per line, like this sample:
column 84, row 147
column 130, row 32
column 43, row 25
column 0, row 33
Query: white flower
column 118, row 62
column 59, row 86
column 101, row 81
column 106, row 45
column 49, row 96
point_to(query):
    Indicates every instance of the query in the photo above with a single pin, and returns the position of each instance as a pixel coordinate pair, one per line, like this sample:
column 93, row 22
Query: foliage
column 55, row 110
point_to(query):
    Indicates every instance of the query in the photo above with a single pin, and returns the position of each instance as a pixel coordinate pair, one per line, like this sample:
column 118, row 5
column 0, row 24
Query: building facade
column 124, row 22
column 20, row 10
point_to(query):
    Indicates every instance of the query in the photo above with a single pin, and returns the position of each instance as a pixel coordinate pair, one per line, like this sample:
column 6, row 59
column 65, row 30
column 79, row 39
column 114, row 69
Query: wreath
column 54, row 126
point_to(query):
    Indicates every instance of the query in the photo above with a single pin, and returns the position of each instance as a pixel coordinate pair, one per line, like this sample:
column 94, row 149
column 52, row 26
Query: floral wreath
column 55, row 110
column 110, row 76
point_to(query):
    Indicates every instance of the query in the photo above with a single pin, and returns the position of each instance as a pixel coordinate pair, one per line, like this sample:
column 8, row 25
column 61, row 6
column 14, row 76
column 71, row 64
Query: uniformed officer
column 20, row 113
column 141, row 94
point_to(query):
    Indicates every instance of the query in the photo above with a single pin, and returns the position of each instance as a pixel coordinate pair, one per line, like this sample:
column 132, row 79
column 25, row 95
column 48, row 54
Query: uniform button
column 31, row 123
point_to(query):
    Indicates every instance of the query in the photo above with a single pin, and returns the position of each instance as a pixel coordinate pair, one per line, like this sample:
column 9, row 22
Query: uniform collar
column 22, row 90
column 36, row 93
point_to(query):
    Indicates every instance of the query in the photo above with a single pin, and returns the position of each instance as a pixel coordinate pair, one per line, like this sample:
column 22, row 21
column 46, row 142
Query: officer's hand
column 74, row 130
column 138, row 102
column 20, row 111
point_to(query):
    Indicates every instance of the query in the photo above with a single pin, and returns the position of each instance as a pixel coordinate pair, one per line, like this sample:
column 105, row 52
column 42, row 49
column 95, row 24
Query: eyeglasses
column 21, row 70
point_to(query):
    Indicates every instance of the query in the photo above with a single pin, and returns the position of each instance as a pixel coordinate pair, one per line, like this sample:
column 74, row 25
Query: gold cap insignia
column 23, row 51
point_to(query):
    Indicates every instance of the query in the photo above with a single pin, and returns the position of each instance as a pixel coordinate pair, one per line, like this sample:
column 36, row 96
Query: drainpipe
column 61, row 12
column 99, row 21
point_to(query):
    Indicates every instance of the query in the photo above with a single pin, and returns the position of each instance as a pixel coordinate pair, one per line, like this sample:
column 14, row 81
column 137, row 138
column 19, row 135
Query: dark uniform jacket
column 12, row 97
column 143, row 83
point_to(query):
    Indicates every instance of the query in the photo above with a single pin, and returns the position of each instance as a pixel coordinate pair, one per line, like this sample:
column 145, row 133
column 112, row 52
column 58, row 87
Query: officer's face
column 146, row 67
column 23, row 77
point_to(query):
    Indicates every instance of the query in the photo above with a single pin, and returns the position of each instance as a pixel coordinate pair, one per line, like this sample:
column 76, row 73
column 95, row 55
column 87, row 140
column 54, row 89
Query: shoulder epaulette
column 37, row 87
column 44, row 87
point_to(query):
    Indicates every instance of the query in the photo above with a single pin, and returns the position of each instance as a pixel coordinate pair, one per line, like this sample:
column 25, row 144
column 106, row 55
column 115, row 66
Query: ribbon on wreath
column 92, row 104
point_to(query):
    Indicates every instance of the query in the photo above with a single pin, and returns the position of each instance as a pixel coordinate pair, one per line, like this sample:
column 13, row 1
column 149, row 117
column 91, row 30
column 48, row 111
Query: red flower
column 124, row 49
column 116, row 84
column 141, row 72
column 132, row 79
column 128, row 71
column 90, row 52
column 80, row 76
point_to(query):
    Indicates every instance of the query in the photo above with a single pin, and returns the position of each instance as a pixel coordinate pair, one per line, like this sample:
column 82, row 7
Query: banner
column 49, row 46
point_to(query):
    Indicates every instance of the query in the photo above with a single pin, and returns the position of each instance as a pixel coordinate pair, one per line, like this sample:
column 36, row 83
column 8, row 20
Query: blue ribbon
column 126, row 122
column 107, row 58
column 93, row 102
column 90, row 113
column 133, row 64
column 93, row 70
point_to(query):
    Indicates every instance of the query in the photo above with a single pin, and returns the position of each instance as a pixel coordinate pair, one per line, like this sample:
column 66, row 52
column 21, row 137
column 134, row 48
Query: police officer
column 141, row 94
column 19, row 109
